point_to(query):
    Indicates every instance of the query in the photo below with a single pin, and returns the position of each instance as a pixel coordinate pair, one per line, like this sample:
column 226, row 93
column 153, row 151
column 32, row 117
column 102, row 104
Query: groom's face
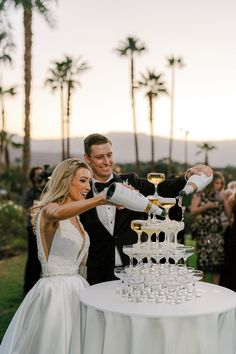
column 101, row 161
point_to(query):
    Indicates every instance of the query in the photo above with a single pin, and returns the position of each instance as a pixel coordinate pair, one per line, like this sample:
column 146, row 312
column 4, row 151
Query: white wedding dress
column 48, row 320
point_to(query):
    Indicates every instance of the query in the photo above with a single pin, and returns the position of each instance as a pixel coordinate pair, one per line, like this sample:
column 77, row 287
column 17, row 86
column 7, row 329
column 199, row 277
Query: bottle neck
column 189, row 188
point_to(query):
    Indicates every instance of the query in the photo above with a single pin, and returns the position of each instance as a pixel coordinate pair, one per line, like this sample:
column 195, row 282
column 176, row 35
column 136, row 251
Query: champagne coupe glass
column 136, row 225
column 166, row 203
column 156, row 253
column 128, row 250
column 151, row 228
column 155, row 178
column 138, row 255
column 167, row 228
column 177, row 253
column 177, row 227
column 188, row 252
column 135, row 280
column 120, row 273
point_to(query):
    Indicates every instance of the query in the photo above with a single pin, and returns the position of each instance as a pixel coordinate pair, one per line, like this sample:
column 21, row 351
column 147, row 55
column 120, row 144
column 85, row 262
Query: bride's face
column 80, row 185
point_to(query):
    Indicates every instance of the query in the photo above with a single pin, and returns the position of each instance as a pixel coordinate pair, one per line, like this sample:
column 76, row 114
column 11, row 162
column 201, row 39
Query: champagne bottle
column 196, row 183
column 119, row 194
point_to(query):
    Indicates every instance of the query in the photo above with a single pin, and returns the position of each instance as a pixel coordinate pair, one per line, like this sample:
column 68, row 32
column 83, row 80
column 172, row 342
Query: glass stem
column 139, row 233
column 155, row 188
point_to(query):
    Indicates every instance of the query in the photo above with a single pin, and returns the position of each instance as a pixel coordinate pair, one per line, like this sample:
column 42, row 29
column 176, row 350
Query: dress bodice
column 68, row 250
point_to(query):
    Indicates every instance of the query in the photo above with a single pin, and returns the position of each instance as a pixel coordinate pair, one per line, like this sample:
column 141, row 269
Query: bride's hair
column 58, row 186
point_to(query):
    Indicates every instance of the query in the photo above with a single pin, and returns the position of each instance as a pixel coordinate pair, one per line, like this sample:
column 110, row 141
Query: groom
column 109, row 227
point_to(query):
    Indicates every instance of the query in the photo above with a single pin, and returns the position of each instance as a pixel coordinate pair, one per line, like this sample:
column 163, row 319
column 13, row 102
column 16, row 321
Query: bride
column 48, row 320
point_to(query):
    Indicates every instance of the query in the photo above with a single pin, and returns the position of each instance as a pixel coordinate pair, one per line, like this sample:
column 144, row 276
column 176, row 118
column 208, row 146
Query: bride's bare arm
column 55, row 212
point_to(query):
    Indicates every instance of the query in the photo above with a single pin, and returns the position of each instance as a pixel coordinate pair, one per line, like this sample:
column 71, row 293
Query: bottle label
column 148, row 207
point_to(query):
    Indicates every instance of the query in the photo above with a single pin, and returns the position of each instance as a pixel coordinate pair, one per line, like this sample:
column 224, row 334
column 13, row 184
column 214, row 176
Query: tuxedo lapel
column 119, row 213
column 93, row 212
column 117, row 178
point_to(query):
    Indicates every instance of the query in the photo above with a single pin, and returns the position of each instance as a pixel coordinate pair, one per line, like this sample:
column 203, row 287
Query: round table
column 204, row 325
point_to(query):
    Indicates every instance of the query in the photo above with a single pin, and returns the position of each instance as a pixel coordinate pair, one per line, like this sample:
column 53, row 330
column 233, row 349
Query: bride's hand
column 102, row 198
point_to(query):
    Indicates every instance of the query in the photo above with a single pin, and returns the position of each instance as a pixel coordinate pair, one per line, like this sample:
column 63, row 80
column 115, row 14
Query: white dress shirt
column 107, row 215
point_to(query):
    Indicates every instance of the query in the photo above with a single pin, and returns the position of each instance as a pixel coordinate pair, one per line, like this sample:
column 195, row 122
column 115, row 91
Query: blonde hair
column 58, row 186
column 210, row 188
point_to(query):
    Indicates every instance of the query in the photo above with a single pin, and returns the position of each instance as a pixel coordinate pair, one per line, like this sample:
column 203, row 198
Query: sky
column 202, row 32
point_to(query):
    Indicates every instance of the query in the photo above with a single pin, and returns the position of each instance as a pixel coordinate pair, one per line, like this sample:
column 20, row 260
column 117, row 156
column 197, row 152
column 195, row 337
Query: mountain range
column 49, row 151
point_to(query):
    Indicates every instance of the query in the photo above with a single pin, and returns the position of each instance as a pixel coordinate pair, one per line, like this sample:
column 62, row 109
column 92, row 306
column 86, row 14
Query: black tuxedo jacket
column 101, row 258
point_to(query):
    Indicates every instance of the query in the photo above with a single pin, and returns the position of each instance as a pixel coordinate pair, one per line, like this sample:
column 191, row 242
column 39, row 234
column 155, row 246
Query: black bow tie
column 100, row 186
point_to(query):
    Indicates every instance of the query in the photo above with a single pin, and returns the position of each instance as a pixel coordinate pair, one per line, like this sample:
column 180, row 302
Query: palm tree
column 6, row 47
column 73, row 69
column 56, row 80
column 186, row 133
column 205, row 148
column 42, row 8
column 154, row 87
column 173, row 63
column 4, row 92
column 129, row 48
column 8, row 140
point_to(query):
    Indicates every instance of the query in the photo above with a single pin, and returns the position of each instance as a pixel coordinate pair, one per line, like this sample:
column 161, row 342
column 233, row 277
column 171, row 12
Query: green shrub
column 12, row 229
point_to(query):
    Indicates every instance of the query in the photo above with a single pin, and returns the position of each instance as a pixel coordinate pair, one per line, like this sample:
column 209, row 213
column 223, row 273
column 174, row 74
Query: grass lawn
column 192, row 261
column 11, row 286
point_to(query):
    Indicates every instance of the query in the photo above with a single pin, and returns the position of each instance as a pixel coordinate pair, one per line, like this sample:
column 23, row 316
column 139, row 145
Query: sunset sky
column 201, row 31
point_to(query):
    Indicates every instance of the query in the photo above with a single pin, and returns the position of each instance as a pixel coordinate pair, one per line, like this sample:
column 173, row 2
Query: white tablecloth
column 112, row 325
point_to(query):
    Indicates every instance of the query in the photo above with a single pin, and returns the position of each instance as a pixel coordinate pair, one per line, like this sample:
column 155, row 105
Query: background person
column 33, row 266
column 228, row 278
column 208, row 207
column 109, row 227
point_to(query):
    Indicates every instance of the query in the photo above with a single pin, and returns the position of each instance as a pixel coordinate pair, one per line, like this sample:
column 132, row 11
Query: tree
column 3, row 92
column 129, row 48
column 28, row 7
column 56, row 80
column 205, row 148
column 6, row 46
column 7, row 141
column 173, row 63
column 154, row 87
column 64, row 76
column 73, row 69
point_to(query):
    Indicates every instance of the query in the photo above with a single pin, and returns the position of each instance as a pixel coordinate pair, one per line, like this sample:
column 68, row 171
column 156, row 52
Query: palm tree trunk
column 171, row 121
column 206, row 157
column 62, row 126
column 68, row 119
column 2, row 133
column 7, row 156
column 27, row 79
column 134, row 116
column 151, row 131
